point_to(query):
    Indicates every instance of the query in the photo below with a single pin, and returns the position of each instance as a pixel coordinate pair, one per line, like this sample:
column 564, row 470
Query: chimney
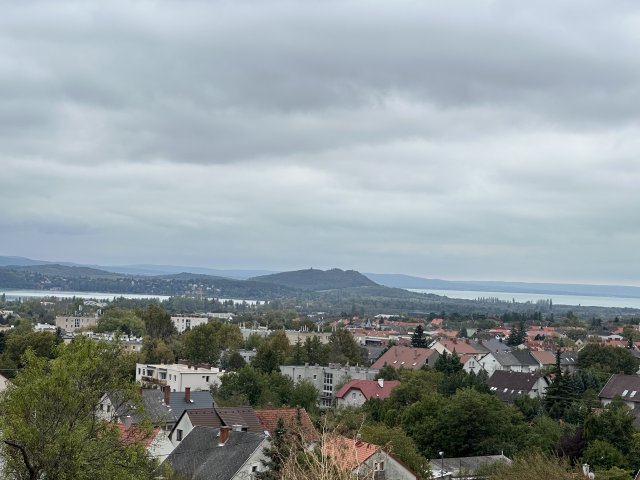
column 187, row 394
column 381, row 382
column 167, row 394
column 358, row 439
column 127, row 422
column 224, row 436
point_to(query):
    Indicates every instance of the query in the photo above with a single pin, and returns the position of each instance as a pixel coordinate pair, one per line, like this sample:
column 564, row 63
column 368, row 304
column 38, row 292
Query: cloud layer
column 485, row 139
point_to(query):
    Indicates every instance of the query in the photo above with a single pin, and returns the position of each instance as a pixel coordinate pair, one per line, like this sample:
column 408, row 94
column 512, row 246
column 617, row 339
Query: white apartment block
column 179, row 376
column 184, row 322
column 75, row 323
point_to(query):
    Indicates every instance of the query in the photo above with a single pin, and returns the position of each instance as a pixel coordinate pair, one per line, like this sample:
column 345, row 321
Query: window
column 178, row 435
column 139, row 371
column 328, row 382
column 254, row 468
column 108, row 408
column 207, row 379
column 326, row 402
column 353, row 395
column 625, row 392
column 315, row 376
column 378, row 466
column 163, row 376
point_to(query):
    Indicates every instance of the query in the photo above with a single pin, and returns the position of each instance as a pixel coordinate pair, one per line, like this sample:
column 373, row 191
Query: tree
column 120, row 319
column 607, row 358
column 533, row 466
column 232, row 361
column 343, row 348
column 155, row 350
column 419, row 339
column 205, row 343
column 157, row 322
column 305, row 395
column 387, row 372
column 49, row 423
column 17, row 343
column 518, row 335
column 600, row 454
column 276, row 453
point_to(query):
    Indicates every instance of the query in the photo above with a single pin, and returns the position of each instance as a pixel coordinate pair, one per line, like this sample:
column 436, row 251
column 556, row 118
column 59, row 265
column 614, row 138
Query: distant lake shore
column 578, row 300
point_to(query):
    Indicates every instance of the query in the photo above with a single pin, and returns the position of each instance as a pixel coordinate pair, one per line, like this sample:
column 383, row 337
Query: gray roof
column 159, row 413
column 467, row 464
column 524, row 357
column 506, row 359
column 495, row 345
column 625, row 386
column 199, row 457
column 507, row 385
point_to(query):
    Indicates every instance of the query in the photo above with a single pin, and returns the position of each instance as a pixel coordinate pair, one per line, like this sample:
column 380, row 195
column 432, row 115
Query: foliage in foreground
column 49, row 422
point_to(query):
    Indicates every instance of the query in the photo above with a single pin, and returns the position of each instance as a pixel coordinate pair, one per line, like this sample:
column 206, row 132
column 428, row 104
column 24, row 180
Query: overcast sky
column 478, row 139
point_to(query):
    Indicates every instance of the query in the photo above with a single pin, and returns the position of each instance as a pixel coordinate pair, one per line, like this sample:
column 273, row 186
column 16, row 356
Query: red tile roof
column 294, row 419
column 136, row 434
column 461, row 347
column 348, row 453
column 544, row 357
column 404, row 357
column 369, row 388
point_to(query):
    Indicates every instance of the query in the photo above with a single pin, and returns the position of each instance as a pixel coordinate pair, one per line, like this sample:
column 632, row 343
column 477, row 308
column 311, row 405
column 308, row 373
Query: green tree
column 232, row 360
column 155, row 350
column 343, row 348
column 518, row 335
column 419, row 339
column 49, row 425
column 614, row 424
column 157, row 322
column 17, row 343
column 601, row 455
column 533, row 466
column 387, row 372
column 305, row 395
column 276, row 453
column 607, row 358
column 120, row 319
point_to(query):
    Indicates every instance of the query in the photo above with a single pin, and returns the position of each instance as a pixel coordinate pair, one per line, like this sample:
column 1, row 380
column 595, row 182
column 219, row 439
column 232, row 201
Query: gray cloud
column 482, row 140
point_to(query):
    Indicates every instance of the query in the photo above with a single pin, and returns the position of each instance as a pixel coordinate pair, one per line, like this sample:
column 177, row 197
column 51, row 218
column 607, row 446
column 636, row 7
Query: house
column 162, row 407
column 547, row 359
column 223, row 453
column 460, row 347
column 627, row 387
column 407, row 357
column 296, row 420
column 326, row 378
column 244, row 418
column 365, row 460
column 516, row 361
column 156, row 442
column 178, row 376
column 507, row 384
column 463, row 468
column 355, row 393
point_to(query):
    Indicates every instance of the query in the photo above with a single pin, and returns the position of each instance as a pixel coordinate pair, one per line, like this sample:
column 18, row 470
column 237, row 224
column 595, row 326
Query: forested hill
column 56, row 277
column 317, row 280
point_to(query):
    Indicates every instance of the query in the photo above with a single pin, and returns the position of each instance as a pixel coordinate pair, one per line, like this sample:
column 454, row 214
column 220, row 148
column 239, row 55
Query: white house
column 355, row 393
column 179, row 376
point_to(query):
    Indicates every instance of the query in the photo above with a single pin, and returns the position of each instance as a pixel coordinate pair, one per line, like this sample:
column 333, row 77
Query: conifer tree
column 419, row 340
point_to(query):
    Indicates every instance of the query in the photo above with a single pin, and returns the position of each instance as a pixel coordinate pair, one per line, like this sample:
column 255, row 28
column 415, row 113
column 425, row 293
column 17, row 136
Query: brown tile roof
column 404, row 357
column 369, row 388
column 245, row 416
column 544, row 357
column 462, row 347
column 627, row 386
column 294, row 419
column 204, row 417
column 507, row 384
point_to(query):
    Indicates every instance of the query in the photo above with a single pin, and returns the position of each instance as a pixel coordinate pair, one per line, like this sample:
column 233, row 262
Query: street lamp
column 441, row 464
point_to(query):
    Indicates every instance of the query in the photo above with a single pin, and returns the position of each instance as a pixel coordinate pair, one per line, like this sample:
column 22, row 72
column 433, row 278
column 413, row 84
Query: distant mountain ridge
column 318, row 280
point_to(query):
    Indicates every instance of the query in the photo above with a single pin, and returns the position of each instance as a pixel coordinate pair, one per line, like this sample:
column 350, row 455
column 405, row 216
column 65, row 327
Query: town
column 259, row 392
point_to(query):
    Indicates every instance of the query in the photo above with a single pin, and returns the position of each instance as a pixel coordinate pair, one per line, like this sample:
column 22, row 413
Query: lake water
column 13, row 294
column 590, row 301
